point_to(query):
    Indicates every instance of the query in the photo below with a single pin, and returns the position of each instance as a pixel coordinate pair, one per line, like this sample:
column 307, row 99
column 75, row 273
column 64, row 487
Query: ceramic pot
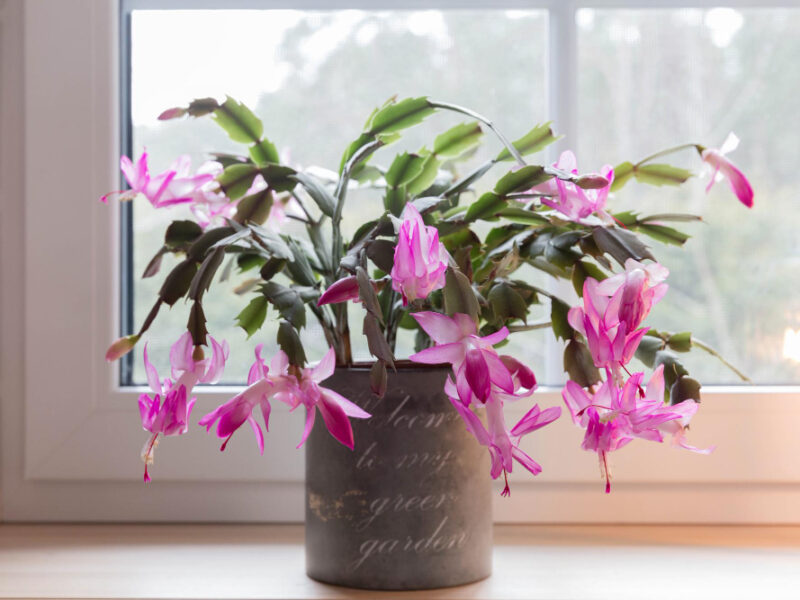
column 410, row 507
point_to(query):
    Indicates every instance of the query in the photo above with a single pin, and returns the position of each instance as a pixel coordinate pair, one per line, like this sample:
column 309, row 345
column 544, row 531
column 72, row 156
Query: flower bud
column 121, row 347
column 592, row 181
column 172, row 113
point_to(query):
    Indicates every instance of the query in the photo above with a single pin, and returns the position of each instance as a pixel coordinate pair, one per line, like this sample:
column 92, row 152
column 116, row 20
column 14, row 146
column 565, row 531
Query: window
column 70, row 434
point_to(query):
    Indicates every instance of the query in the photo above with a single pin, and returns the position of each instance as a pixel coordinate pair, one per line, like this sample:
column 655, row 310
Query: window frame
column 67, row 451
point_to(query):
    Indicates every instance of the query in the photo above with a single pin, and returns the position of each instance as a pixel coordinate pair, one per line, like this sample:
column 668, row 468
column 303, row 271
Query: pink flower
column 571, row 200
column 176, row 185
column 420, row 259
column 607, row 325
column 209, row 204
column 121, row 347
column 634, row 292
column 476, row 364
column 278, row 383
column 172, row 416
column 503, row 444
column 335, row 408
column 614, row 416
column 723, row 167
column 239, row 409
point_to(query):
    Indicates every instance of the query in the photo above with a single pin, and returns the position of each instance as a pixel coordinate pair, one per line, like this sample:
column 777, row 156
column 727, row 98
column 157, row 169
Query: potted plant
column 397, row 487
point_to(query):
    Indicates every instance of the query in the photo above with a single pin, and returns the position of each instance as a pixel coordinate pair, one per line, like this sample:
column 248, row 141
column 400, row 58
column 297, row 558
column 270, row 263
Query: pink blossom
column 176, row 185
column 233, row 414
column 278, row 383
column 723, row 167
column 610, row 335
column 503, row 444
column 613, row 416
column 476, row 364
column 209, row 204
column 335, row 408
column 634, row 292
column 574, row 202
column 420, row 259
column 171, row 417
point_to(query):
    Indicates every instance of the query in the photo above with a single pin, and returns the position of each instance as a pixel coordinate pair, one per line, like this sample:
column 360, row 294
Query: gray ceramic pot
column 410, row 507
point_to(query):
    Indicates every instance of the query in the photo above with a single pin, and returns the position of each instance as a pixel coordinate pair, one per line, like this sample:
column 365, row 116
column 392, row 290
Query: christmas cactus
column 435, row 257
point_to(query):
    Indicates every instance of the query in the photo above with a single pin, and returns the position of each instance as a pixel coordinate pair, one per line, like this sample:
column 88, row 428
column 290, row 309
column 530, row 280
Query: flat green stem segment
column 705, row 347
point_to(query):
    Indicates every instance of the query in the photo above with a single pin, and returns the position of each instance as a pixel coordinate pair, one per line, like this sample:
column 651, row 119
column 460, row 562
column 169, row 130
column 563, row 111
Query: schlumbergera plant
column 420, row 262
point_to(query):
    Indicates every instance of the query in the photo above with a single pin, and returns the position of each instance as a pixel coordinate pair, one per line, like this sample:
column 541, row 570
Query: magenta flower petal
column 340, row 291
column 441, row 328
column 477, row 374
column 310, row 416
column 525, row 460
column 444, row 353
column 336, row 421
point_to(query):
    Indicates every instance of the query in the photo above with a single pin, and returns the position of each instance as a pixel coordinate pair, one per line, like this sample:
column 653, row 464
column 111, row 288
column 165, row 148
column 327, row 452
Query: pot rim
column 401, row 365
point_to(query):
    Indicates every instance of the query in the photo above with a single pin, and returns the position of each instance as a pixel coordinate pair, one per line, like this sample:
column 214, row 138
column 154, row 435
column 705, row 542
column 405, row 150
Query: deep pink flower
column 502, row 443
column 723, row 167
column 171, row 417
column 634, row 292
column 613, row 416
column 476, row 364
column 609, row 335
column 235, row 412
column 574, row 202
column 335, row 408
column 176, row 185
column 278, row 383
column 420, row 259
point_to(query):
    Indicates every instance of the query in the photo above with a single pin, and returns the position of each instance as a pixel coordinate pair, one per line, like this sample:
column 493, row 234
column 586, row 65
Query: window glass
column 313, row 78
column 649, row 79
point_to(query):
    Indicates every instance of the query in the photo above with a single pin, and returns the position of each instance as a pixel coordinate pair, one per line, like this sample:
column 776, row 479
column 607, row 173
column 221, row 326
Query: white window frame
column 71, row 435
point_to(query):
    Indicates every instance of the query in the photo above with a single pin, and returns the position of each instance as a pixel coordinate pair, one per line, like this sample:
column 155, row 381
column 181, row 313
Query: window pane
column 313, row 78
column 650, row 79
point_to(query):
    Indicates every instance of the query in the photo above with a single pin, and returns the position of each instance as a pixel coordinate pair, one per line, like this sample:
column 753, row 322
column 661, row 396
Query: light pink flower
column 420, row 259
column 209, row 204
column 634, row 292
column 476, row 364
column 171, row 417
column 176, row 185
column 723, row 167
column 571, row 200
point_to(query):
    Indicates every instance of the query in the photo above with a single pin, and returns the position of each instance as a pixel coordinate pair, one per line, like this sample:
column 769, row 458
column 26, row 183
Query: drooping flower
column 634, row 291
column 502, row 443
column 475, row 362
column 171, row 416
column 420, row 259
column 571, row 200
column 614, row 416
column 232, row 414
column 723, row 167
column 176, row 185
column 335, row 408
column 278, row 383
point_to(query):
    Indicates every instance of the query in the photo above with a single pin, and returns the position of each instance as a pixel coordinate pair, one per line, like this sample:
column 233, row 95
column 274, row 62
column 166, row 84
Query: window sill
column 266, row 561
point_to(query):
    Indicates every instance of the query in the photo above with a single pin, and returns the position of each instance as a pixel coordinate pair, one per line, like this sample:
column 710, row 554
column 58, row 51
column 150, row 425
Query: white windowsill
column 266, row 561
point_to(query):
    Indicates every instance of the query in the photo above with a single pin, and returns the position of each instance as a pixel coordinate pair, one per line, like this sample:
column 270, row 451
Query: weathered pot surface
column 410, row 506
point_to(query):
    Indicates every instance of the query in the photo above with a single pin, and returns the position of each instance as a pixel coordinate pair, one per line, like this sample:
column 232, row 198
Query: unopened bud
column 121, row 347
column 172, row 113
column 592, row 181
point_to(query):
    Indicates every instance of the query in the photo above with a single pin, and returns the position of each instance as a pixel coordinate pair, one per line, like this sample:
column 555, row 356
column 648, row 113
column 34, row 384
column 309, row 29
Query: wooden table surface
column 266, row 561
